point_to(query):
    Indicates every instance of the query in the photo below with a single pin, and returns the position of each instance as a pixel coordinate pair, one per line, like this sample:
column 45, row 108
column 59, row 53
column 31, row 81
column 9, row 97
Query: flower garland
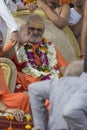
column 46, row 52
column 11, row 118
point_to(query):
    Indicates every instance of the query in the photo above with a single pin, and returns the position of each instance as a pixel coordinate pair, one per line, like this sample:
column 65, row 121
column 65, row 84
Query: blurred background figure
column 7, row 20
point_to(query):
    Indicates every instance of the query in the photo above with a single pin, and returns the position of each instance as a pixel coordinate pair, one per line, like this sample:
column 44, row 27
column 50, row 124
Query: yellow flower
column 44, row 50
column 28, row 127
column 46, row 71
column 10, row 128
column 44, row 39
column 11, row 118
column 28, row 117
column 7, row 117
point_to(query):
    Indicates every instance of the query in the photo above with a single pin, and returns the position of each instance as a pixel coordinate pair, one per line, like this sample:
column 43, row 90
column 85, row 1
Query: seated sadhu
column 12, row 103
column 36, row 58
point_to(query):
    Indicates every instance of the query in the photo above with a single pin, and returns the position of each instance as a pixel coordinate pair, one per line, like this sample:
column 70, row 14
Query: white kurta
column 13, row 6
column 6, row 20
column 68, row 98
column 74, row 17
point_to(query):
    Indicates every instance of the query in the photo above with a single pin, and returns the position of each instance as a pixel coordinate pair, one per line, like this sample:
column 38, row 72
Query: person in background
column 84, row 33
column 6, row 19
column 76, row 19
column 15, row 5
column 58, row 14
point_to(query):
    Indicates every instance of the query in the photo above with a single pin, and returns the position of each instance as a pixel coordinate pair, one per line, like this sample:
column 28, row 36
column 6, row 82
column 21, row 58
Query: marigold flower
column 11, row 118
column 28, row 127
column 7, row 117
column 44, row 39
column 28, row 118
column 10, row 128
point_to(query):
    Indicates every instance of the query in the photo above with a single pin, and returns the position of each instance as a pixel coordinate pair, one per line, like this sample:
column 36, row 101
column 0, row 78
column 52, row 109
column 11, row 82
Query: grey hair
column 36, row 16
column 75, row 68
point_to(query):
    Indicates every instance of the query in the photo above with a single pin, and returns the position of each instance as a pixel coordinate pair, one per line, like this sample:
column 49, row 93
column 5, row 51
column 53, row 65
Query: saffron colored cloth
column 25, row 79
column 12, row 100
column 65, row 1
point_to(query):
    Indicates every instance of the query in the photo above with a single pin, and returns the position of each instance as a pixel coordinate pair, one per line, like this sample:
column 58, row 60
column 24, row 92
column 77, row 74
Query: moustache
column 35, row 35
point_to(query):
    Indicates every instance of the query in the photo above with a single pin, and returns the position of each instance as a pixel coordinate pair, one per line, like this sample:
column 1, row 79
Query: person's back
column 76, row 19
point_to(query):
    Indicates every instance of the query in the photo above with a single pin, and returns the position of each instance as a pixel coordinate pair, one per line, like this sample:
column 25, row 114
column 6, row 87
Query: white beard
column 36, row 40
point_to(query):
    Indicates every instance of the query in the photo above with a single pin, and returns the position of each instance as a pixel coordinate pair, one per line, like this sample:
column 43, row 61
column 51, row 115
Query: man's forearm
column 55, row 18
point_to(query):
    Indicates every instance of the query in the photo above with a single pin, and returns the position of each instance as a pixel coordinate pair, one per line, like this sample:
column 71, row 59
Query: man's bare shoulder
column 65, row 8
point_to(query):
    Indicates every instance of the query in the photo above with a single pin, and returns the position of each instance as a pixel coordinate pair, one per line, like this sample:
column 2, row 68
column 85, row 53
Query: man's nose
column 35, row 31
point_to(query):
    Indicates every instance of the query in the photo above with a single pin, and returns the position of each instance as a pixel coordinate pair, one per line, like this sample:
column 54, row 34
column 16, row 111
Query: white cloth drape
column 6, row 20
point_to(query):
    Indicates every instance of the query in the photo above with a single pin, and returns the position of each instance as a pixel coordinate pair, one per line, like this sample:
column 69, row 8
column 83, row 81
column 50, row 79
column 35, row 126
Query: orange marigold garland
column 11, row 118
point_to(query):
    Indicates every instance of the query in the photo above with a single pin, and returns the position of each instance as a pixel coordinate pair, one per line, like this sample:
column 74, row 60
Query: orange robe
column 25, row 79
column 12, row 100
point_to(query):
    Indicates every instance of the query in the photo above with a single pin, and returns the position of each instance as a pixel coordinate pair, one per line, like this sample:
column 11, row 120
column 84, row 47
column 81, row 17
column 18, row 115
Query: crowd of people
column 40, row 65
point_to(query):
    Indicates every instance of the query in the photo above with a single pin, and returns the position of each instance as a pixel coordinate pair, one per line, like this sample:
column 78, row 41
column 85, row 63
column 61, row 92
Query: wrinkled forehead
column 36, row 23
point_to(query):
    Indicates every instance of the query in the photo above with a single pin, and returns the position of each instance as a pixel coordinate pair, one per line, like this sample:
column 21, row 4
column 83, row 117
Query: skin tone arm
column 59, row 18
column 84, row 31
